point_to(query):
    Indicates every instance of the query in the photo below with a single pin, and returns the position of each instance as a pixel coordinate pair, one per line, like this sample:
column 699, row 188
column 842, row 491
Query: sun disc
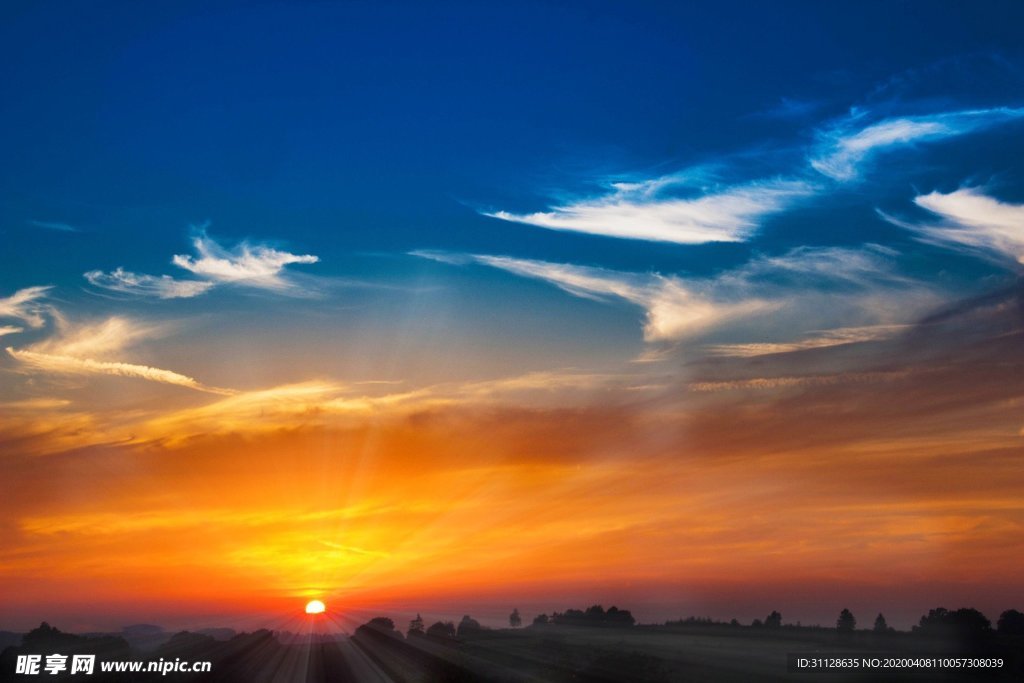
column 315, row 607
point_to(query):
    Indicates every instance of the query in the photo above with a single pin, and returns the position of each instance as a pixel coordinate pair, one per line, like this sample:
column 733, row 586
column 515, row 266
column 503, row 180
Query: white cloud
column 246, row 264
column 99, row 339
column 846, row 152
column 828, row 296
column 249, row 265
column 84, row 349
column 642, row 211
column 809, row 268
column 87, row 366
column 975, row 222
column 23, row 305
column 163, row 287
column 824, row 339
column 843, row 149
column 674, row 309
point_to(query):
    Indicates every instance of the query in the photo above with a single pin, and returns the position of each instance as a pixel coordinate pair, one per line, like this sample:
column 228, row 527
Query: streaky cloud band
column 642, row 211
column 971, row 222
column 843, row 149
column 162, row 286
column 72, row 365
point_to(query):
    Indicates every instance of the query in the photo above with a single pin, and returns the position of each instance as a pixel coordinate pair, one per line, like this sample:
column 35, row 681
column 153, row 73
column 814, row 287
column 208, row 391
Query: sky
column 693, row 308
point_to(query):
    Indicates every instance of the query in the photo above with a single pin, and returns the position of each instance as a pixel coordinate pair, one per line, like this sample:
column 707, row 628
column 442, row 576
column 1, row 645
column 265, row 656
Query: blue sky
column 355, row 131
column 358, row 126
column 316, row 207
column 389, row 191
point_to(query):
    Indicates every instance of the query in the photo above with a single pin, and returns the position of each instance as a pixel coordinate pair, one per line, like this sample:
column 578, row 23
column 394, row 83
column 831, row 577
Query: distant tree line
column 595, row 615
column 939, row 622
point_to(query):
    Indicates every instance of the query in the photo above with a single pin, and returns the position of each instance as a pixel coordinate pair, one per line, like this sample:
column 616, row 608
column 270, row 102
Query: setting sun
column 315, row 607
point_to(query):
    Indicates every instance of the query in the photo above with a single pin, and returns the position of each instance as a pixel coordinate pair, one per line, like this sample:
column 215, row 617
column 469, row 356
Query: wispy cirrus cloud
column 823, row 339
column 245, row 264
column 87, row 366
column 674, row 309
column 24, row 305
column 32, row 404
column 824, row 296
column 324, row 402
column 848, row 144
column 101, row 338
column 804, row 289
column 85, row 349
column 252, row 265
column 771, row 383
column 162, row 286
column 682, row 209
column 647, row 211
column 972, row 222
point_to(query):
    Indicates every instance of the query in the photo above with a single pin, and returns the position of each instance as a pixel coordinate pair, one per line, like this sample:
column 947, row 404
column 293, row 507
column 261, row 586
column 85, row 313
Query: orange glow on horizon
column 457, row 502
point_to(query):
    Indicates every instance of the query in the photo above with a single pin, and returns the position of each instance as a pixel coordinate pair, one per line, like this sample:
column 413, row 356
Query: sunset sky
column 690, row 308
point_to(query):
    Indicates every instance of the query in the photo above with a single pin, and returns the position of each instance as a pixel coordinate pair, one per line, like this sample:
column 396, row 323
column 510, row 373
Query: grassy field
column 550, row 653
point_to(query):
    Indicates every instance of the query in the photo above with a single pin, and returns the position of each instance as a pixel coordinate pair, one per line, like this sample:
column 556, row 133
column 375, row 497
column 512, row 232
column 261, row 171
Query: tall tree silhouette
column 880, row 624
column 773, row 620
column 846, row 621
column 378, row 630
column 514, row 620
column 442, row 630
column 416, row 626
column 468, row 626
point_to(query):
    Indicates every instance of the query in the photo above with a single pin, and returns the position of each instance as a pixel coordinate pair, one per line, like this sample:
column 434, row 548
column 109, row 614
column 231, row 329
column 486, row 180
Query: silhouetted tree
column 734, row 622
column 880, row 624
column 1011, row 623
column 442, row 630
column 415, row 626
column 468, row 626
column 773, row 620
column 756, row 623
column 965, row 623
column 47, row 636
column 619, row 617
column 377, row 629
column 514, row 620
column 383, row 624
column 595, row 615
column 540, row 620
column 846, row 622
column 933, row 620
